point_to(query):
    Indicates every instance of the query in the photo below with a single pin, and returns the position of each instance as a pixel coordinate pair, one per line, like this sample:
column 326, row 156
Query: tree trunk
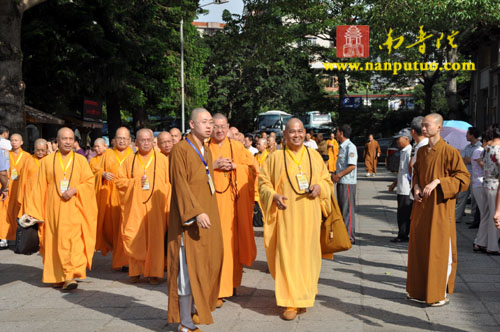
column 342, row 93
column 138, row 118
column 428, row 84
column 114, row 116
column 11, row 83
column 451, row 86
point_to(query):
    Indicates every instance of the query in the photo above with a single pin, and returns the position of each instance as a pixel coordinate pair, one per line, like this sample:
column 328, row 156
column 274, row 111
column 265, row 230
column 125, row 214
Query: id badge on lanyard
column 302, row 181
column 64, row 186
column 13, row 174
column 146, row 186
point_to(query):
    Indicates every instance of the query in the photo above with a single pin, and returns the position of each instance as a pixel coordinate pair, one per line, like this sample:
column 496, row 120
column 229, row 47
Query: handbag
column 334, row 237
column 27, row 241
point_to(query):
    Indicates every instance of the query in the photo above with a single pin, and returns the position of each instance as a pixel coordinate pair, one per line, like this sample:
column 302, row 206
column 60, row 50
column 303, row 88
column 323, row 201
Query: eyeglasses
column 220, row 127
column 121, row 138
column 145, row 140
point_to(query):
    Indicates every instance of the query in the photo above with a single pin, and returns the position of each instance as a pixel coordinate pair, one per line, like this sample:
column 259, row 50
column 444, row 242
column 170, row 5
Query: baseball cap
column 403, row 132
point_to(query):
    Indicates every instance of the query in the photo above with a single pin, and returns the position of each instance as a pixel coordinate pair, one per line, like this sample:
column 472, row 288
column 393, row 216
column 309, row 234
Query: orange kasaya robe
column 69, row 226
column 433, row 227
column 260, row 159
column 9, row 208
column 144, row 212
column 372, row 149
column 333, row 154
column 109, row 222
column 235, row 199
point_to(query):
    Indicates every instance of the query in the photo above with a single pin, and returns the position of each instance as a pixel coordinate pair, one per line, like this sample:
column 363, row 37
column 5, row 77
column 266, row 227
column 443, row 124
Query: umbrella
column 457, row 124
column 454, row 132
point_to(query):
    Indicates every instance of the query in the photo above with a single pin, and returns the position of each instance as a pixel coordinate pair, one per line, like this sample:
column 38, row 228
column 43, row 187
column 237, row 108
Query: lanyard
column 199, row 155
column 120, row 161
column 149, row 162
column 298, row 162
column 37, row 162
column 18, row 158
column 264, row 156
column 64, row 169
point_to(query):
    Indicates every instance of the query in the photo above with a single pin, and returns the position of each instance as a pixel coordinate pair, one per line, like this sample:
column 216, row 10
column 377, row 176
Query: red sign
column 353, row 41
column 92, row 110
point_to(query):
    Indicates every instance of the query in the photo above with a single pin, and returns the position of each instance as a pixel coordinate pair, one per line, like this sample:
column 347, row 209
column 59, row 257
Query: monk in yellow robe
column 194, row 235
column 28, row 178
column 370, row 154
column 294, row 183
column 100, row 147
column 260, row 158
column 109, row 226
column 439, row 174
column 64, row 199
column 9, row 208
column 234, row 178
column 333, row 153
column 144, row 186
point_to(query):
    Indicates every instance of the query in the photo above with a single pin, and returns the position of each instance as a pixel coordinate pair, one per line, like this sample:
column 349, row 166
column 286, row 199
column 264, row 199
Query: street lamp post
column 183, row 112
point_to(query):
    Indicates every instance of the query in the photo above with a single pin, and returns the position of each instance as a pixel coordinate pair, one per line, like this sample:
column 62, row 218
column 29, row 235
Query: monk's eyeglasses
column 220, row 127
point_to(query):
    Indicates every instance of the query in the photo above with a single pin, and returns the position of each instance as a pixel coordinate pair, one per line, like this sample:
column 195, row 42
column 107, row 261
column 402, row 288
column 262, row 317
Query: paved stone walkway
column 361, row 290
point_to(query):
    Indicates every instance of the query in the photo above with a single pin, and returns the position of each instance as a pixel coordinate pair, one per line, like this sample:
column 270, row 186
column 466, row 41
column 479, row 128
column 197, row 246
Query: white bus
column 271, row 121
column 316, row 120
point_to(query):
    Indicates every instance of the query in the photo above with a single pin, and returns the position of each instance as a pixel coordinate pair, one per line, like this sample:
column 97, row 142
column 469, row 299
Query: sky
column 215, row 11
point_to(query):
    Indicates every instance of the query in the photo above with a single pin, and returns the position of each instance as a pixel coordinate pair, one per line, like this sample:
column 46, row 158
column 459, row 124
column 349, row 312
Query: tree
column 12, row 86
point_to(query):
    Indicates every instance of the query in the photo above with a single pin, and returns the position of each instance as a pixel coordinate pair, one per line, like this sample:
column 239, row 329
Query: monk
column 176, row 135
column 234, row 178
column 165, row 143
column 9, row 208
column 439, row 174
column 194, row 235
column 260, row 158
column 100, row 147
column 144, row 186
column 28, row 178
column 333, row 153
column 64, row 199
column 370, row 154
column 109, row 237
column 271, row 144
column 293, row 183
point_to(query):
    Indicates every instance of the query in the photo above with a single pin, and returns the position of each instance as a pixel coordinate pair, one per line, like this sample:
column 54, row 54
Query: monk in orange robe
column 28, row 178
column 64, row 199
column 194, row 235
column 109, row 223
column 9, row 208
column 371, row 153
column 100, row 147
column 333, row 153
column 144, row 186
column 165, row 143
column 234, row 178
column 439, row 174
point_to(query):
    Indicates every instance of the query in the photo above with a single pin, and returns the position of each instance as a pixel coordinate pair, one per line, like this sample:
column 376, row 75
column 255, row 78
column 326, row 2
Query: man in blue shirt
column 345, row 178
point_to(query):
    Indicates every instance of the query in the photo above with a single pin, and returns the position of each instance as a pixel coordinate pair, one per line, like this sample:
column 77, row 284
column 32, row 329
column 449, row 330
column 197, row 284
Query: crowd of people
column 186, row 205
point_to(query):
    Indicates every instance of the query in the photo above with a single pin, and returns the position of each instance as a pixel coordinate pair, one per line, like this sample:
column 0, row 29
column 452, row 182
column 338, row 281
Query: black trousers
column 405, row 205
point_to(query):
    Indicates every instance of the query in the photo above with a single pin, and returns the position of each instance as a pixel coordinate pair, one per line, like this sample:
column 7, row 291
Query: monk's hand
column 430, row 187
column 279, row 200
column 203, row 220
column 108, row 176
column 3, row 195
column 222, row 164
column 69, row 193
column 314, row 191
column 417, row 193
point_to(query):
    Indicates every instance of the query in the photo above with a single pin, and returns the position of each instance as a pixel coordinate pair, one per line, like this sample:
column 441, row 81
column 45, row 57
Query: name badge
column 64, row 185
column 302, row 180
column 211, row 184
column 145, row 186
column 13, row 174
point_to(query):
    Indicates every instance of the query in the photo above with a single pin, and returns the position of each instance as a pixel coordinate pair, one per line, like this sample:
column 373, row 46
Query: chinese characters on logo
column 353, row 41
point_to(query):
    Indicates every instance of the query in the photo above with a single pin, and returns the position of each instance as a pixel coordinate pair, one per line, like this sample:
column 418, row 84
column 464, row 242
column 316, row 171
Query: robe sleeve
column 458, row 178
column 325, row 182
column 266, row 186
column 26, row 181
column 188, row 206
column 87, row 204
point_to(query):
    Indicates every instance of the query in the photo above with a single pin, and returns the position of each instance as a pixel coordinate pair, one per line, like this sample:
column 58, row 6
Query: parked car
column 393, row 152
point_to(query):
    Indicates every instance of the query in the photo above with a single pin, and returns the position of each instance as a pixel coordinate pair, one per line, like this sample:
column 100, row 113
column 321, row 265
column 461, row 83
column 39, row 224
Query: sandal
column 493, row 253
column 477, row 248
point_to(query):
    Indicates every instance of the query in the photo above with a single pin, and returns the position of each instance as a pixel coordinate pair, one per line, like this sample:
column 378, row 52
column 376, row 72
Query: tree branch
column 24, row 5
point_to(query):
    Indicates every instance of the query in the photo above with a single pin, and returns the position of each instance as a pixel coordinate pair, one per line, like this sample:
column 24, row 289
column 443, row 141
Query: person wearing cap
column 402, row 185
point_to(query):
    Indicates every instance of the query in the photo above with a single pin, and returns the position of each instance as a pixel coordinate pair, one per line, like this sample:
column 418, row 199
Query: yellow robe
column 27, row 182
column 109, row 223
column 233, row 189
column 291, row 236
column 260, row 159
column 333, row 154
column 9, row 208
column 69, row 226
column 144, row 213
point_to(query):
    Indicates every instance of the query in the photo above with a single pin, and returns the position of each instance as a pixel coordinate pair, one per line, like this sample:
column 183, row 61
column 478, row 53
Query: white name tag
column 146, row 185
column 211, row 184
column 13, row 174
column 302, row 181
column 64, row 186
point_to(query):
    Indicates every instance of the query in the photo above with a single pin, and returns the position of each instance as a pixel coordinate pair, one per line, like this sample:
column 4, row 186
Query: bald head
column 65, row 140
column 165, row 142
column 438, row 119
column 294, row 134
column 431, row 126
column 100, row 146
column 293, row 122
column 122, row 139
column 16, row 141
column 261, row 144
column 41, row 148
column 144, row 140
column 176, row 133
column 195, row 113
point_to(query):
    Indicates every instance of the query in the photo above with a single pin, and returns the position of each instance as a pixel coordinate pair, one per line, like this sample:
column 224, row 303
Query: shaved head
column 144, row 140
column 176, row 133
column 437, row 118
column 293, row 121
column 41, row 148
column 431, row 126
column 220, row 116
column 65, row 140
column 16, row 141
column 221, row 128
column 122, row 139
column 100, row 146
column 201, row 124
column 294, row 134
column 195, row 113
column 165, row 142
